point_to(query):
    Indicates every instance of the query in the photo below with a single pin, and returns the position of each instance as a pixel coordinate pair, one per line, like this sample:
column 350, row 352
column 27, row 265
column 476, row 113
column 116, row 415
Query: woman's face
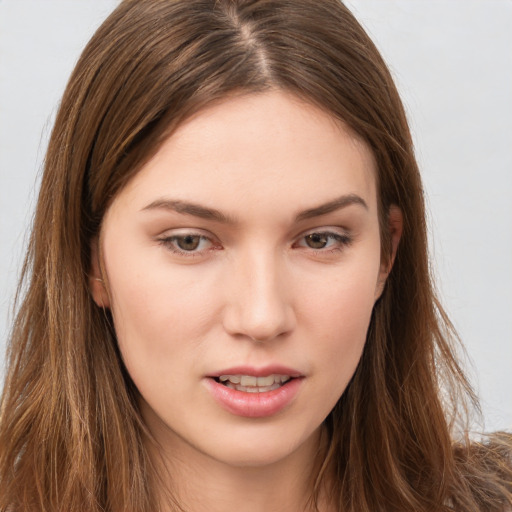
column 242, row 264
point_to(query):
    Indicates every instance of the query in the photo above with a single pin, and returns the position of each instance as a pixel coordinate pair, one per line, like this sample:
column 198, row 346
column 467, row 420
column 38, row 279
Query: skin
column 253, row 292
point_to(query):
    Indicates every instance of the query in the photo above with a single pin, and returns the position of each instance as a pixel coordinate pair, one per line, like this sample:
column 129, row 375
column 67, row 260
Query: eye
column 324, row 240
column 187, row 244
column 317, row 240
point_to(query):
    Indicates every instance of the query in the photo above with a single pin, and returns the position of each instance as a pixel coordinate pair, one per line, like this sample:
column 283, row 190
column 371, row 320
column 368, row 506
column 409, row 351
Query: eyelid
column 184, row 231
column 326, row 230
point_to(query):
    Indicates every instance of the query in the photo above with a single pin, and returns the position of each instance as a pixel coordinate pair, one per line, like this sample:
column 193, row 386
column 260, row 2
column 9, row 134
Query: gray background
column 452, row 60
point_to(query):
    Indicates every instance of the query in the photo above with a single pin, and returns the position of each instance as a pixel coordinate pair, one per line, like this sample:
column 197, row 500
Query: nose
column 258, row 305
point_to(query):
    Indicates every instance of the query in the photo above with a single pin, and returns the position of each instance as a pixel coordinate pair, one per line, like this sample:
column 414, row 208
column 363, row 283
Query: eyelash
column 341, row 241
column 169, row 242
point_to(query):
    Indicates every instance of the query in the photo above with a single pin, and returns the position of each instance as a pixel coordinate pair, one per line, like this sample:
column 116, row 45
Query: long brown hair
column 71, row 437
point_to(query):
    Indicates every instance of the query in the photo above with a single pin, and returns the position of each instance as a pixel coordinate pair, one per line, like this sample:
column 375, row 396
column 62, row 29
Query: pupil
column 316, row 240
column 189, row 242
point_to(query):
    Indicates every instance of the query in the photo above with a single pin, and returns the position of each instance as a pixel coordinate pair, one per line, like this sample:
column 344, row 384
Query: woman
column 228, row 302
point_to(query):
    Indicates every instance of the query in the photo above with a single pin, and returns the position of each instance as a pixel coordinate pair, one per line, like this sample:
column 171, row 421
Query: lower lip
column 254, row 405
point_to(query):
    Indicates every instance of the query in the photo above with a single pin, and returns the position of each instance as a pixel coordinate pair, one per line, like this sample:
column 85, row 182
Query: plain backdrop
column 452, row 61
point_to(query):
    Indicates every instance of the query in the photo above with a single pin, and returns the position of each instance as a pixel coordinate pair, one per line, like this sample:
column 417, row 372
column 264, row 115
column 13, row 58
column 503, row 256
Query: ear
column 395, row 226
column 97, row 285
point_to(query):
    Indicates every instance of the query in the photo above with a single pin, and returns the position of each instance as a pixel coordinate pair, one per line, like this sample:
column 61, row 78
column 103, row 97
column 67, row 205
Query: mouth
column 254, row 392
column 253, row 384
column 254, row 396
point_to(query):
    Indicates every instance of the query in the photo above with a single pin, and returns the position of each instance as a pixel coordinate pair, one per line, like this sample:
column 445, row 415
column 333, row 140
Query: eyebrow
column 204, row 212
column 187, row 208
column 331, row 206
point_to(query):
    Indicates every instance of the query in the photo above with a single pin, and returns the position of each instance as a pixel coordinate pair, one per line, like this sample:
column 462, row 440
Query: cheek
column 155, row 308
column 336, row 316
column 345, row 320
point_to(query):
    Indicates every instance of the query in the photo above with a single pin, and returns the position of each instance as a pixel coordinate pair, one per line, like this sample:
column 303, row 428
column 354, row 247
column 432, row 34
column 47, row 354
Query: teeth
column 266, row 381
column 253, row 389
column 248, row 380
column 235, row 379
column 252, row 384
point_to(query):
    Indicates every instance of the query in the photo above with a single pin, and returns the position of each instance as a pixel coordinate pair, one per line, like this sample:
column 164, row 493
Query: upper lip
column 261, row 371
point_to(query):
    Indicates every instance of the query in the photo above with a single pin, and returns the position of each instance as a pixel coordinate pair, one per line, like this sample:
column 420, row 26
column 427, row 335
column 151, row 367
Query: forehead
column 258, row 150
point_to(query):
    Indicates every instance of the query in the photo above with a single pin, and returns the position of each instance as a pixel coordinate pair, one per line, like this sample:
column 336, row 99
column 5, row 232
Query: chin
column 253, row 449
